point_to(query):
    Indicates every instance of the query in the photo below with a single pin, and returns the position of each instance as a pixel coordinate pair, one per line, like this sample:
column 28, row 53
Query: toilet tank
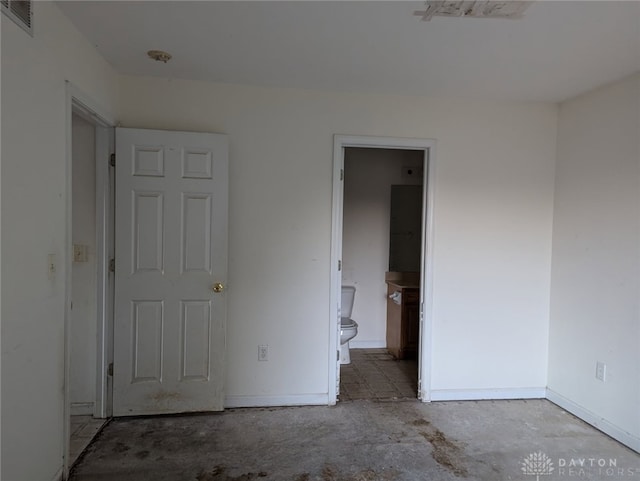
column 346, row 306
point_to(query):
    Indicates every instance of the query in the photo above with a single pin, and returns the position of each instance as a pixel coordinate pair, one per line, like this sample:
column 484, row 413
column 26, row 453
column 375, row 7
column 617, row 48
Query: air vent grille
column 20, row 11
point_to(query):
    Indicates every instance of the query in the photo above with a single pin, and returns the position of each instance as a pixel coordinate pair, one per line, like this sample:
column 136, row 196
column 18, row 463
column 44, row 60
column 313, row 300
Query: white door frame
column 340, row 143
column 81, row 104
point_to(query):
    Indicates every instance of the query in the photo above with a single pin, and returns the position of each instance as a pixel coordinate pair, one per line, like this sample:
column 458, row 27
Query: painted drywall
column 369, row 175
column 83, row 326
column 595, row 310
column 34, row 185
column 405, row 240
column 493, row 218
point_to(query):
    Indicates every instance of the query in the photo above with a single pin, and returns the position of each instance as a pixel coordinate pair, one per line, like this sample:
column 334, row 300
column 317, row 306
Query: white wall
column 34, row 183
column 595, row 283
column 494, row 196
column 369, row 175
column 82, row 375
column 493, row 218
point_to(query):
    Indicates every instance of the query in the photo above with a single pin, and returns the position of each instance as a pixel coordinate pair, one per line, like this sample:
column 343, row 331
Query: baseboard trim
column 355, row 344
column 82, row 409
column 58, row 475
column 272, row 401
column 482, row 394
column 596, row 421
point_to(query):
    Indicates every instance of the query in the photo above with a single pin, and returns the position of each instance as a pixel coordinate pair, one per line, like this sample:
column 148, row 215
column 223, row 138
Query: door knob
column 217, row 287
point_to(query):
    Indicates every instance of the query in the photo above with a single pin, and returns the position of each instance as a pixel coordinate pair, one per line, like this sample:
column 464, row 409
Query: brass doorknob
column 217, row 287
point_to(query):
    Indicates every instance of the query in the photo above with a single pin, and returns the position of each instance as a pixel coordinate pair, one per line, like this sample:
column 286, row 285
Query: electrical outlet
column 601, row 371
column 263, row 352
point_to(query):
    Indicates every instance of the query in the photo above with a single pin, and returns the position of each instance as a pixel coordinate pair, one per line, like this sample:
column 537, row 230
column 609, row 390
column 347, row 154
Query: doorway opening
column 382, row 231
column 381, row 249
column 83, row 327
column 88, row 283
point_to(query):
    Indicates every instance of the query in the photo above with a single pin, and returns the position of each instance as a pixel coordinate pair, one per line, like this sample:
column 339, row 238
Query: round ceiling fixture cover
column 159, row 55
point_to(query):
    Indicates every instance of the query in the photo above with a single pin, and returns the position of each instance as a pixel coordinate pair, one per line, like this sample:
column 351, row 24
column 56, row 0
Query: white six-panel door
column 171, row 270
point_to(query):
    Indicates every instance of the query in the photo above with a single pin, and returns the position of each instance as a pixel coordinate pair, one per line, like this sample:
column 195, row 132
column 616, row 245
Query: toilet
column 348, row 327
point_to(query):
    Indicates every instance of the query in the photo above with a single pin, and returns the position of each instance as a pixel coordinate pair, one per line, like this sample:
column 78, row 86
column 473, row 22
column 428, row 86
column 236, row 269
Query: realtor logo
column 537, row 464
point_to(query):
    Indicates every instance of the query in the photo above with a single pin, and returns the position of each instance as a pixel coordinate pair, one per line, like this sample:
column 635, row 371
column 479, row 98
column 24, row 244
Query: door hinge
column 110, row 369
column 112, row 160
column 339, row 265
column 112, row 265
column 341, row 174
column 337, row 355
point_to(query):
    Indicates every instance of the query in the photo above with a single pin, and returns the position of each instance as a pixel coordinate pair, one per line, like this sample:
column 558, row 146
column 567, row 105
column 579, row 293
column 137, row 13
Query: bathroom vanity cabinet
column 403, row 319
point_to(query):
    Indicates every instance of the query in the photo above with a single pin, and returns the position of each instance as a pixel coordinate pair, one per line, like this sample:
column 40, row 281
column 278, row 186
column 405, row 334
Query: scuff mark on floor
column 142, row 454
column 219, row 473
column 329, row 473
column 121, row 448
column 446, row 453
column 421, row 422
column 366, row 475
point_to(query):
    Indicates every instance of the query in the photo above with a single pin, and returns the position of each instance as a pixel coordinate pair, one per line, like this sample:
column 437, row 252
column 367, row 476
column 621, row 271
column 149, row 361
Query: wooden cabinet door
column 410, row 322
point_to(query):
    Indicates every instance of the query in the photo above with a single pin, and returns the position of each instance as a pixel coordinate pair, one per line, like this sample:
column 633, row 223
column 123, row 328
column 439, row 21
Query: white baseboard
column 82, row 409
column 596, row 421
column 355, row 344
column 271, row 401
column 480, row 394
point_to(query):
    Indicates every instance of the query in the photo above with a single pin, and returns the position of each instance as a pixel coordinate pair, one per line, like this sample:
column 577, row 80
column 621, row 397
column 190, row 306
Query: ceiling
column 556, row 51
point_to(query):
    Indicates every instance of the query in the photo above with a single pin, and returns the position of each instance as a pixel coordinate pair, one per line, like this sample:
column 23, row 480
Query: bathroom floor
column 375, row 374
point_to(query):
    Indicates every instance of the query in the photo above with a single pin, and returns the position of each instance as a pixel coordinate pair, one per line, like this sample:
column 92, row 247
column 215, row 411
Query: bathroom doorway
column 382, row 224
column 381, row 234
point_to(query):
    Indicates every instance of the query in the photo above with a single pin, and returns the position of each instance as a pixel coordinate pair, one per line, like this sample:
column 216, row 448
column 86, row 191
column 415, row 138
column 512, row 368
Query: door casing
column 80, row 103
column 428, row 146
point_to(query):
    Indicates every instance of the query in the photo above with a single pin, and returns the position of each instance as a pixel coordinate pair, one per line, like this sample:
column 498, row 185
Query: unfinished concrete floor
column 82, row 429
column 360, row 440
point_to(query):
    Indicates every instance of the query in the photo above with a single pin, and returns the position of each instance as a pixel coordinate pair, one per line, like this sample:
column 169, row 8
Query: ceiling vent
column 481, row 9
column 20, row 11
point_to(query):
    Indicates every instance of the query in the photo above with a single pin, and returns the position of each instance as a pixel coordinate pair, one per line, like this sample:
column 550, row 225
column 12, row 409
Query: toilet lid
column 346, row 323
